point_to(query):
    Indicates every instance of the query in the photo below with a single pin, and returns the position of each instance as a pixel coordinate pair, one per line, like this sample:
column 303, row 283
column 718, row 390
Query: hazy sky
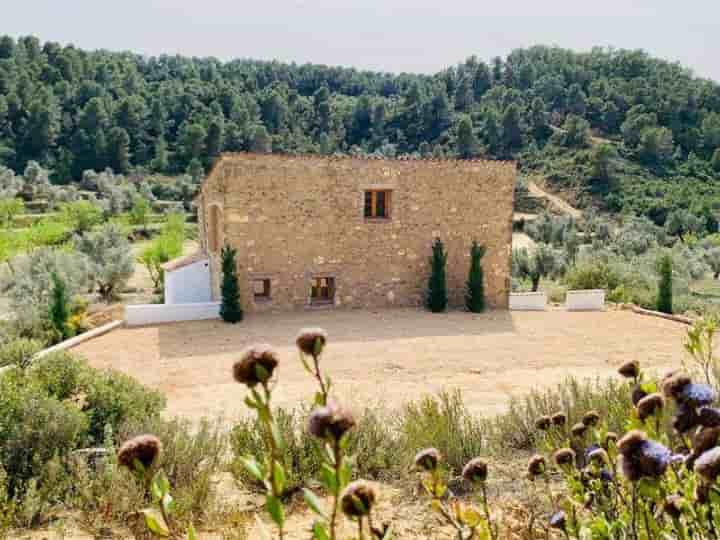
column 389, row 35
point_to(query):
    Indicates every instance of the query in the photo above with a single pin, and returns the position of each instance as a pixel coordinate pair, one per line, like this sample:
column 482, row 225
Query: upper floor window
column 377, row 203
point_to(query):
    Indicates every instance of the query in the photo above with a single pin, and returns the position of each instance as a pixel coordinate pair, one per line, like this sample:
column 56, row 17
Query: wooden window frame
column 266, row 295
column 331, row 286
column 373, row 193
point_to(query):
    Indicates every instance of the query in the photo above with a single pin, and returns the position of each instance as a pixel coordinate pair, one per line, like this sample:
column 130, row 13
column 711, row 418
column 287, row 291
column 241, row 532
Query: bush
column 665, row 287
column 437, row 295
column 230, row 309
column 19, row 352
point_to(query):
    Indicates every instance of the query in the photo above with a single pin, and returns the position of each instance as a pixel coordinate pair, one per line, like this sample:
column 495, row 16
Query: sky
column 418, row 36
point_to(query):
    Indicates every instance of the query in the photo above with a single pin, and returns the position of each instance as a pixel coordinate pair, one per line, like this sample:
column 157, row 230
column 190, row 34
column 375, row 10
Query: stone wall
column 295, row 218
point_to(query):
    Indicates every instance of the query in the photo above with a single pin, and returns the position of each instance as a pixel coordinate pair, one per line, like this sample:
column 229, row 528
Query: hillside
column 620, row 128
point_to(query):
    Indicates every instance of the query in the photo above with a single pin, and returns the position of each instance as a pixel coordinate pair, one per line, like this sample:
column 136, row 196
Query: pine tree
column 59, row 307
column 437, row 295
column 230, row 309
column 466, row 141
column 665, row 294
column 475, row 287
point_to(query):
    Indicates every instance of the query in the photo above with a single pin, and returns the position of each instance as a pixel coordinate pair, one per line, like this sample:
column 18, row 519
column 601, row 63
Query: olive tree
column 110, row 258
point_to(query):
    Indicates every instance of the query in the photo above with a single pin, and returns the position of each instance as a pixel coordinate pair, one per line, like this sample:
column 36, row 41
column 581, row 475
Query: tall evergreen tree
column 475, row 287
column 665, row 292
column 59, row 307
column 230, row 308
column 466, row 141
column 437, row 294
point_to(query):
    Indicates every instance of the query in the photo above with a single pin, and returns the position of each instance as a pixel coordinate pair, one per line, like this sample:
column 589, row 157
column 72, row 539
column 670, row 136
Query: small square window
column 377, row 203
column 322, row 290
column 261, row 289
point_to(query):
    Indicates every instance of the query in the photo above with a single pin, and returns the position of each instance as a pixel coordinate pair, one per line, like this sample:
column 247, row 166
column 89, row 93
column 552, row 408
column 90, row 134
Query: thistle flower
column 543, row 423
column 654, row 459
column 536, row 466
column 708, row 465
column 358, row 499
column 476, row 470
column 591, row 418
column 144, row 449
column 558, row 521
column 709, row 417
column 311, row 341
column 564, row 457
column 330, row 422
column 598, row 456
column 631, row 442
column 704, row 440
column 649, row 405
column 697, row 395
column 558, row 419
column 610, row 437
column 685, row 419
column 427, row 459
column 637, row 394
column 578, row 430
column 630, row 370
column 256, row 365
column 674, row 383
column 673, row 506
column 642, row 457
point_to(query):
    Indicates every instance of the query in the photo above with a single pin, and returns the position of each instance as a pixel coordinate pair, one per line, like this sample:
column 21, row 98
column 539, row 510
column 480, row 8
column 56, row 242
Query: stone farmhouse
column 329, row 232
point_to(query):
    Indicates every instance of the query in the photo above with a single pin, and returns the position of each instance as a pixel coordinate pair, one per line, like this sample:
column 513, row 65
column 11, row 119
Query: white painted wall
column 142, row 314
column 189, row 284
column 589, row 300
column 532, row 301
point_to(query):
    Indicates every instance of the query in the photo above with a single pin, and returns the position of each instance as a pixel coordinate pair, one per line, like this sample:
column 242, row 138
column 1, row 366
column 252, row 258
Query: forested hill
column 633, row 131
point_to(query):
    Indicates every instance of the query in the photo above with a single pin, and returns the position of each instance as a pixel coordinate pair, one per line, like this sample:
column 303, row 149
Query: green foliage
column 665, row 288
column 80, row 216
column 60, row 308
column 230, row 308
column 9, row 208
column 19, row 352
column 140, row 212
column 110, row 258
column 475, row 287
column 544, row 261
column 164, row 248
column 437, row 294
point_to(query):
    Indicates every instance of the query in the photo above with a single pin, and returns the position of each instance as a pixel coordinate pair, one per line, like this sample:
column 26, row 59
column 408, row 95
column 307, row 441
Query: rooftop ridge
column 346, row 157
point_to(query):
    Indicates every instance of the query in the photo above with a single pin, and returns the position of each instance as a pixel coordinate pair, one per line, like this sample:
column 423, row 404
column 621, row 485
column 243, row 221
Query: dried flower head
column 649, row 405
column 654, row 459
column 543, row 423
column 591, row 418
column 631, row 442
column 536, row 466
column 564, row 457
column 428, row 459
column 708, row 465
column 559, row 419
column 144, row 449
column 598, row 456
column 673, row 506
column 358, row 499
column 256, row 365
column 330, row 422
column 476, row 470
column 702, row 492
column 709, row 417
column 704, row 440
column 685, row 419
column 610, row 438
column 697, row 395
column 674, row 383
column 558, row 521
column 578, row 430
column 311, row 341
column 630, row 370
column 637, row 394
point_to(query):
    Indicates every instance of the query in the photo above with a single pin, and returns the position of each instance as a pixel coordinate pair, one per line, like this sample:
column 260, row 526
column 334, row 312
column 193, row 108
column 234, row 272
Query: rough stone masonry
column 328, row 232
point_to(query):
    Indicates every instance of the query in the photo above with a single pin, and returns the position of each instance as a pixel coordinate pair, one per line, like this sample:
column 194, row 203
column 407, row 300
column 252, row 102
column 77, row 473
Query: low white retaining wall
column 164, row 313
column 77, row 340
column 532, row 301
column 589, row 300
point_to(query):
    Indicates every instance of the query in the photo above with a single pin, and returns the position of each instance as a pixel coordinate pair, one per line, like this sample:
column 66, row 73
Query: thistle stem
column 274, row 458
column 483, row 487
column 337, row 457
column 361, row 535
column 318, row 376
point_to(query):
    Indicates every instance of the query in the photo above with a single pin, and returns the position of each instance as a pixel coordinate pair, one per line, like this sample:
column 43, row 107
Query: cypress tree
column 475, row 287
column 665, row 294
column 437, row 295
column 230, row 309
column 59, row 307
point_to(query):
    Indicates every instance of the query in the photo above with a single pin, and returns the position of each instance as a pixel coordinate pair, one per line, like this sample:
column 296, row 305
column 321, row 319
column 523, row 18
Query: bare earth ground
column 391, row 356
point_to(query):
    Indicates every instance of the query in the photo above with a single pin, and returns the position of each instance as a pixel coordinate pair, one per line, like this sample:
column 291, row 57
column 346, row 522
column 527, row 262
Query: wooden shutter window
column 377, row 204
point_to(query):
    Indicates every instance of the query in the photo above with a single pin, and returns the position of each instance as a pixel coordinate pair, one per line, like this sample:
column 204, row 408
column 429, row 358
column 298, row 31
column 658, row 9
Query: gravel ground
column 389, row 356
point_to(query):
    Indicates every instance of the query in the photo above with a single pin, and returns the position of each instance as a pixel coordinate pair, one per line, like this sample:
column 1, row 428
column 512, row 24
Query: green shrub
column 665, row 287
column 437, row 294
column 230, row 309
column 19, row 352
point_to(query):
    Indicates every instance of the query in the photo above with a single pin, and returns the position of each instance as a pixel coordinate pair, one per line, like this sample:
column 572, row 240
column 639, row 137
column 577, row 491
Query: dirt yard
column 389, row 356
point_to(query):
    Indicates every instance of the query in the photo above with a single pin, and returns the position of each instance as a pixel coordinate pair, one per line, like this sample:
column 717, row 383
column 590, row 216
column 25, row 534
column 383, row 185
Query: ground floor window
column 261, row 289
column 322, row 290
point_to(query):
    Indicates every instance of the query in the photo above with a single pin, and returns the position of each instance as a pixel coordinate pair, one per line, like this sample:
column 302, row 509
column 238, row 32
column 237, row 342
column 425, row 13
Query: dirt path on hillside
column 389, row 357
column 556, row 201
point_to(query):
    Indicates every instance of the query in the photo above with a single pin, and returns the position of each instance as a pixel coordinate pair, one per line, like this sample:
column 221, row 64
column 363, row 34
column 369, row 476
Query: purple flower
column 698, row 394
column 558, row 520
